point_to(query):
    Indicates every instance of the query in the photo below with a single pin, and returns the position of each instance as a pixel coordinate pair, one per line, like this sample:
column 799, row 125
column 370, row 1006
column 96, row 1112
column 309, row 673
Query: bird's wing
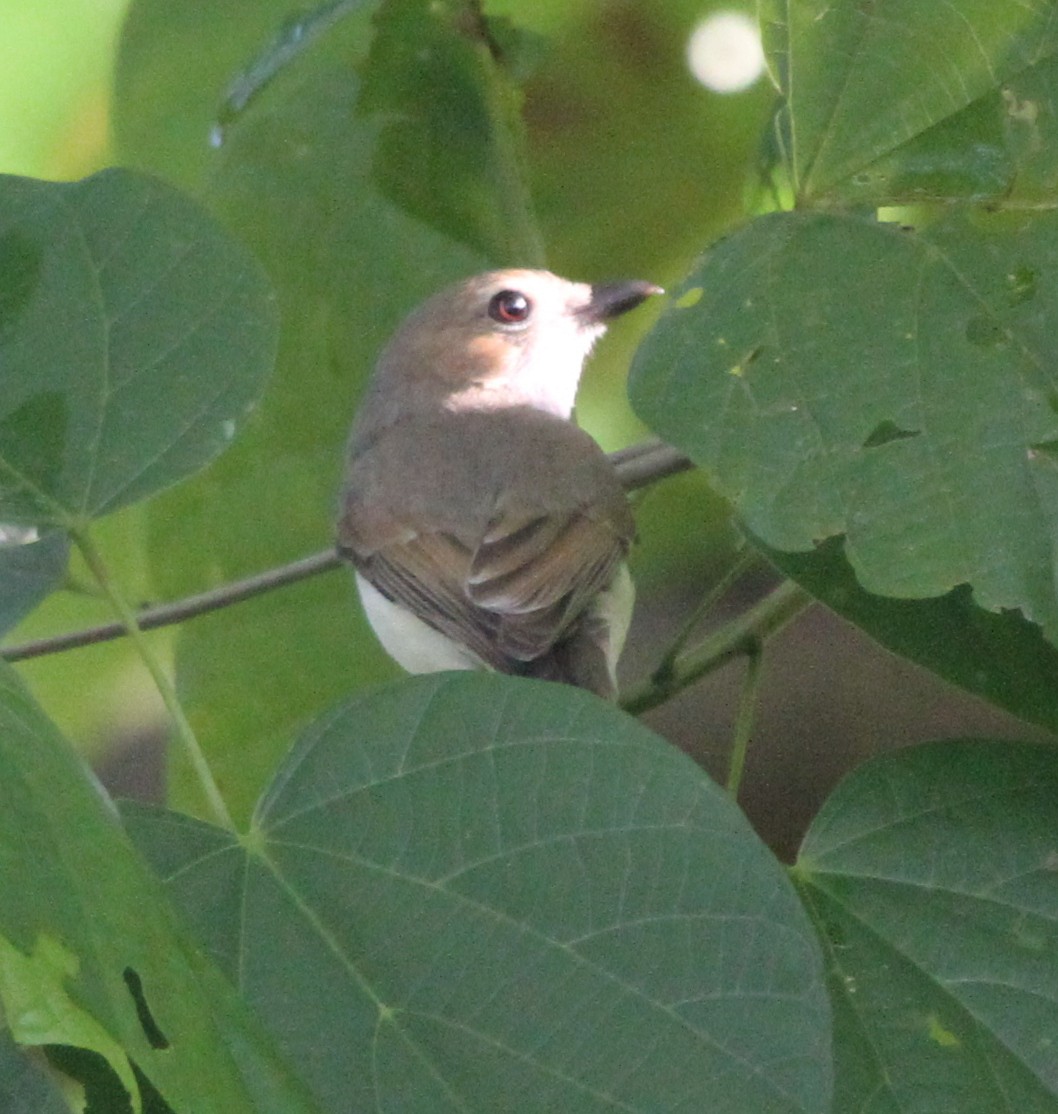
column 426, row 574
column 538, row 574
column 507, row 577
column 515, row 595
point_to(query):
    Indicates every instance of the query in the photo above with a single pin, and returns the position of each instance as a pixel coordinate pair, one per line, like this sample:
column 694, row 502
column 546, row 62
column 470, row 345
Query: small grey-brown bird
column 486, row 529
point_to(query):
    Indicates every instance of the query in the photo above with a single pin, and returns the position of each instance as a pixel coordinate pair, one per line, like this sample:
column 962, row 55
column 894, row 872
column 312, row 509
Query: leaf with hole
column 902, row 394
column 887, row 103
column 90, row 954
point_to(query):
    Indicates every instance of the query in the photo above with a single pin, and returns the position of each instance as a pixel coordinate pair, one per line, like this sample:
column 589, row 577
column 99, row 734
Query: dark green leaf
column 862, row 81
column 134, row 338
column 838, row 376
column 29, row 572
column 477, row 893
column 933, row 877
column 1002, row 657
column 89, row 950
column 450, row 150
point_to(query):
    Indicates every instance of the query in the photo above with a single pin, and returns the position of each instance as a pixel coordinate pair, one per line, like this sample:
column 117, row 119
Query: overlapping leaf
column 306, row 174
column 90, row 955
column 902, row 98
column 134, row 337
column 933, row 877
column 838, row 376
column 24, row 1086
column 474, row 893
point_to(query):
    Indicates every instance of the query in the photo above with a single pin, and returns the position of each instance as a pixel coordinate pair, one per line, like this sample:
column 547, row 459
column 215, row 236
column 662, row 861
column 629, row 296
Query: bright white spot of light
column 10, row 534
column 724, row 52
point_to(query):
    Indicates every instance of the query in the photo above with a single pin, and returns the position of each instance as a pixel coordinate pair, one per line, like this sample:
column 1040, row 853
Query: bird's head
column 503, row 338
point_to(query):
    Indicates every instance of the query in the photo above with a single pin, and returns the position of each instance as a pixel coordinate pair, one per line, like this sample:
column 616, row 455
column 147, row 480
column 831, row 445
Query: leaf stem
column 747, row 706
column 97, row 566
column 733, row 640
column 667, row 667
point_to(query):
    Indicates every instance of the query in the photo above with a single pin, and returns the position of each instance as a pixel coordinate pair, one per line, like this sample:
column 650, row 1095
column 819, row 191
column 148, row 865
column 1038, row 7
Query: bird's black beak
column 611, row 299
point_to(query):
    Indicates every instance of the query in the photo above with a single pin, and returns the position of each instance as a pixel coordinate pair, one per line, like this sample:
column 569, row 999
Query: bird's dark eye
column 509, row 307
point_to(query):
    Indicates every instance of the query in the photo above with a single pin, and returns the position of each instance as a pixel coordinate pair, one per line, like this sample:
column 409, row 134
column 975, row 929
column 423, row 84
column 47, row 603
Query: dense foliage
column 475, row 893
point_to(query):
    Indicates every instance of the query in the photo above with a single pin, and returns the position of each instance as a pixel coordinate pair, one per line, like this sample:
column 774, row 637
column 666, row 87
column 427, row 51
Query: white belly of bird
column 418, row 648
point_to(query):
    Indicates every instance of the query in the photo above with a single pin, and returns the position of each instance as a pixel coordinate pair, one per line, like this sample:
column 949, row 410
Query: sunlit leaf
column 90, row 955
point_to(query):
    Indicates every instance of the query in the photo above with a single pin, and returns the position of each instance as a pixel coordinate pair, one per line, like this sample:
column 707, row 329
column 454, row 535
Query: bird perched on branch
column 486, row 529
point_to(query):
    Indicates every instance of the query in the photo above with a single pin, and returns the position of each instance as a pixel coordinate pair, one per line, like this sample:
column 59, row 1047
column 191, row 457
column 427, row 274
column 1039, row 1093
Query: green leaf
column 451, row 147
column 1002, row 657
column 134, row 338
column 1003, row 149
column 862, row 82
column 28, row 572
column 175, row 63
column 38, row 1008
column 838, row 376
column 89, row 951
column 933, row 878
column 476, row 893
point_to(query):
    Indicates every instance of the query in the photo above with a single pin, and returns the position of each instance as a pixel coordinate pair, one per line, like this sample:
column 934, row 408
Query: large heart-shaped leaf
column 479, row 893
column 134, row 338
column 933, row 877
column 835, row 376
column 90, row 955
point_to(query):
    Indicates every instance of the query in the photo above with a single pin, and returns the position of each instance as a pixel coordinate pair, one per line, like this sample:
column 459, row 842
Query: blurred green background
column 56, row 61
column 606, row 75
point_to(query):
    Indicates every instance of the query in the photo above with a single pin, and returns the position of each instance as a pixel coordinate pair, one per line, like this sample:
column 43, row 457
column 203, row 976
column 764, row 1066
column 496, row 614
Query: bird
column 486, row 529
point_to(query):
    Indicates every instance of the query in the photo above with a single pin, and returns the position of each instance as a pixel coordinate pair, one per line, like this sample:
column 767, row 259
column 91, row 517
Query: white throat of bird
column 544, row 375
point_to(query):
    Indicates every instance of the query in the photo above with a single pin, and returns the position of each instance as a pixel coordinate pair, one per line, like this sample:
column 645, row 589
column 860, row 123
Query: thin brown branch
column 167, row 613
column 637, row 466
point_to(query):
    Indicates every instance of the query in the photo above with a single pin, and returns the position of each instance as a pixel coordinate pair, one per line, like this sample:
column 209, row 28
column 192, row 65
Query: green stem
column 667, row 668
column 747, row 706
column 94, row 560
column 733, row 640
